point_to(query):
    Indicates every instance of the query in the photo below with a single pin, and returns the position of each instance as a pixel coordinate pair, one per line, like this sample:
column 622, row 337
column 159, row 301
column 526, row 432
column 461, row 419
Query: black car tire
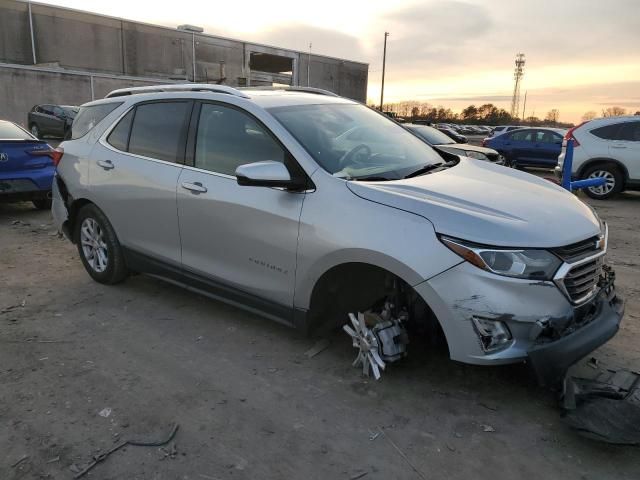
column 42, row 203
column 612, row 173
column 116, row 269
column 35, row 130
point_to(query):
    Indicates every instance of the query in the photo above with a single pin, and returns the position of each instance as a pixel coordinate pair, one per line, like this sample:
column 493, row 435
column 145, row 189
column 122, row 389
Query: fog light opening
column 493, row 334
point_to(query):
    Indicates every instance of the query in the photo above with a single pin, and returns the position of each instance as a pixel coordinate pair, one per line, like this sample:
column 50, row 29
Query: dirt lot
column 83, row 366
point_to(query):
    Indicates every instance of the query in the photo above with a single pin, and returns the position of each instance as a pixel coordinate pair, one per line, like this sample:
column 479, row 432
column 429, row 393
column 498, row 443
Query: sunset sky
column 581, row 55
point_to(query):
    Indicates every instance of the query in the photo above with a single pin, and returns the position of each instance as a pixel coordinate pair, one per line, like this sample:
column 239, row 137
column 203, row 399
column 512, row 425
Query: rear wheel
column 35, row 131
column 613, row 180
column 99, row 248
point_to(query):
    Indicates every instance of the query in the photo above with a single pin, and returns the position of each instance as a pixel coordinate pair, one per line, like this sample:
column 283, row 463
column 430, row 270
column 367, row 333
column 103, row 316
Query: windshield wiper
column 373, row 178
column 424, row 169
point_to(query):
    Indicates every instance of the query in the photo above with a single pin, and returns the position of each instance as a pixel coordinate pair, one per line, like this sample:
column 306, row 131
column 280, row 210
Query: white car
column 608, row 148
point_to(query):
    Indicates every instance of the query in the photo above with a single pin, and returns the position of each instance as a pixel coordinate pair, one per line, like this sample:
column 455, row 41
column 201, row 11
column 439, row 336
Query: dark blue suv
column 528, row 147
column 27, row 166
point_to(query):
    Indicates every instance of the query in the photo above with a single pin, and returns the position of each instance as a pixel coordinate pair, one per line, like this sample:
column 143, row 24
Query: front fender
column 363, row 231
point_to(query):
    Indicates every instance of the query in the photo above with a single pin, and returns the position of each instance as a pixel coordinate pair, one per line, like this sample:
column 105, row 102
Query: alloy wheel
column 94, row 247
column 609, row 185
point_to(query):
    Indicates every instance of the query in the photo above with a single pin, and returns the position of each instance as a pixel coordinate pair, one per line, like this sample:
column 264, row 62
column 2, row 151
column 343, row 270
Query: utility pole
column 193, row 30
column 309, row 66
column 384, row 61
column 524, row 107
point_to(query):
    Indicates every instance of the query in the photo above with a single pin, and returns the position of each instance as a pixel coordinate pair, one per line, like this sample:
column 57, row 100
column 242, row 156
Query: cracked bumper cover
column 465, row 291
column 550, row 361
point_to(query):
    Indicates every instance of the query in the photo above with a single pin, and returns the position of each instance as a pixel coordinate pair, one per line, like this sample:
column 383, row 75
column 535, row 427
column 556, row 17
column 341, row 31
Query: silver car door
column 134, row 172
column 242, row 239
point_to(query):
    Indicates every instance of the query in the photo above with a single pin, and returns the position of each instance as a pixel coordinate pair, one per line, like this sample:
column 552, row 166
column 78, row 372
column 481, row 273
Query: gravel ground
column 83, row 366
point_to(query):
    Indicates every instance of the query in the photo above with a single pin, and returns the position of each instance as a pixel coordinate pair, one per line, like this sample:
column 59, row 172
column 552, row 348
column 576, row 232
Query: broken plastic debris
column 488, row 428
column 105, row 412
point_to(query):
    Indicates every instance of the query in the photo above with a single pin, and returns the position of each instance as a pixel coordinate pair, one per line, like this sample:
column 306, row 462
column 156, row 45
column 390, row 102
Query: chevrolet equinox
column 258, row 198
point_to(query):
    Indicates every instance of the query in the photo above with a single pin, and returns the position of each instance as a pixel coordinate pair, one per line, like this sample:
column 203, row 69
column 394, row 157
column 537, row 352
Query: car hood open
column 488, row 204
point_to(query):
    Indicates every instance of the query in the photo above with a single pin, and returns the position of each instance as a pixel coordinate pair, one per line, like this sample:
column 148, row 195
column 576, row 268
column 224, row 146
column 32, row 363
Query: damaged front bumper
column 547, row 330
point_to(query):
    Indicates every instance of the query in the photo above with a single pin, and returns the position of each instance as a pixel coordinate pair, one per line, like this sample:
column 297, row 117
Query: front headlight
column 476, row 155
column 530, row 264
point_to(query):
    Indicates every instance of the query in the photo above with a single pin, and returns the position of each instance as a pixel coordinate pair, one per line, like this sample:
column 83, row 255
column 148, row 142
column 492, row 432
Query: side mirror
column 266, row 174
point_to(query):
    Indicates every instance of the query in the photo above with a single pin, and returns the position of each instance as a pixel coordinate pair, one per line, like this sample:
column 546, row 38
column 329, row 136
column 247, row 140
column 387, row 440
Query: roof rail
column 318, row 91
column 177, row 87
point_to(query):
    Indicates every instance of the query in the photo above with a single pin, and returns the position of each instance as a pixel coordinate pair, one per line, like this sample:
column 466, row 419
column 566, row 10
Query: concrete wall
column 23, row 87
column 76, row 40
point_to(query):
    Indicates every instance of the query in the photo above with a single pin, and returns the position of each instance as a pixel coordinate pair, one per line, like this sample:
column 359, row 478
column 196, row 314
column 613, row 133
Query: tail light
column 569, row 135
column 484, row 142
column 56, row 155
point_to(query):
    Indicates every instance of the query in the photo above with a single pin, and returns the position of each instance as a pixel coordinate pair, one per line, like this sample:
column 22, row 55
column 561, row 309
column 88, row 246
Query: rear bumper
column 59, row 211
column 25, row 182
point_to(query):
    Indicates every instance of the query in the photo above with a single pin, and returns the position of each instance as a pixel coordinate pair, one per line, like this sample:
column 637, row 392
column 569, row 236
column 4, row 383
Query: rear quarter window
column 608, row 132
column 89, row 117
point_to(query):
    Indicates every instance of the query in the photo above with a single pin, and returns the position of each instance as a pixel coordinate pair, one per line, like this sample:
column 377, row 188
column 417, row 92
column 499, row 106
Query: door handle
column 195, row 187
column 106, row 164
column 618, row 146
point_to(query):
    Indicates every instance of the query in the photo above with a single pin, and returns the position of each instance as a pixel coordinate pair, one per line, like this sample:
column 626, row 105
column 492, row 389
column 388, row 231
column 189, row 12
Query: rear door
column 626, row 147
column 547, row 147
column 133, row 175
column 46, row 120
column 240, row 239
column 522, row 147
column 58, row 121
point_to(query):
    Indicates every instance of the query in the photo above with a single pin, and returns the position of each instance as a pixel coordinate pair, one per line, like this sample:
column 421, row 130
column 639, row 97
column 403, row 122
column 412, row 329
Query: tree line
column 486, row 114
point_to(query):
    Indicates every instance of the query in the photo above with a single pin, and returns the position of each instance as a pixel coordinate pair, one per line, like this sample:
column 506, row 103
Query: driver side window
column 227, row 138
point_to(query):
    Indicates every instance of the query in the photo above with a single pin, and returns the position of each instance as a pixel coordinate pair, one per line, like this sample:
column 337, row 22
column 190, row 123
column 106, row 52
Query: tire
column 42, row 203
column 98, row 246
column 35, row 130
column 613, row 176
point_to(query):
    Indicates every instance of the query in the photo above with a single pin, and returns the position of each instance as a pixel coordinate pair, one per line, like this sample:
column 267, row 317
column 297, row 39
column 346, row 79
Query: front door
column 240, row 239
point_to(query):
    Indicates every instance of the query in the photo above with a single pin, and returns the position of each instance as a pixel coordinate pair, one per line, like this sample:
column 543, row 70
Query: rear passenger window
column 89, row 117
column 228, row 138
column 119, row 136
column 522, row 136
column 608, row 132
column 159, row 130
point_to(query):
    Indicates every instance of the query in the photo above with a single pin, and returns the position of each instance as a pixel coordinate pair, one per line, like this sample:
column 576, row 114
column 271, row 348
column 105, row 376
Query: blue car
column 27, row 166
column 528, row 147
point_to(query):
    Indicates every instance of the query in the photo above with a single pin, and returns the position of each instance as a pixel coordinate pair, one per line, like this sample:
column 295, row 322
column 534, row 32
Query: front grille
column 582, row 280
column 579, row 250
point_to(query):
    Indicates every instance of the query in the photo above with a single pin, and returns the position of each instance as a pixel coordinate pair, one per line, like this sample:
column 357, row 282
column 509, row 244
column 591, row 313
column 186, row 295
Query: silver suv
column 255, row 197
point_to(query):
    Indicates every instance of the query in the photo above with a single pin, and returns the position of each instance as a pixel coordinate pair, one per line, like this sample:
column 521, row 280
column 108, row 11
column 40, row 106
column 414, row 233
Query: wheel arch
column 598, row 160
column 355, row 285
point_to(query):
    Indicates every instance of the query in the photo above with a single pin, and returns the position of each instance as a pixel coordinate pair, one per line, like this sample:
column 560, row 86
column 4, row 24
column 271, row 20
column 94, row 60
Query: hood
column 489, row 204
column 467, row 147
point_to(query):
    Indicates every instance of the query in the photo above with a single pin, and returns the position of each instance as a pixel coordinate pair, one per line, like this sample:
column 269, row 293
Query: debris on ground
column 319, row 347
column 358, row 475
column 379, row 337
column 488, row 428
column 604, row 405
column 20, row 460
column 105, row 412
column 136, row 443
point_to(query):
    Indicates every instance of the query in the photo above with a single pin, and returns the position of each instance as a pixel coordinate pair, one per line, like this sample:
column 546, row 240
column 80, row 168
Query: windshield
column 431, row 135
column 352, row 141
